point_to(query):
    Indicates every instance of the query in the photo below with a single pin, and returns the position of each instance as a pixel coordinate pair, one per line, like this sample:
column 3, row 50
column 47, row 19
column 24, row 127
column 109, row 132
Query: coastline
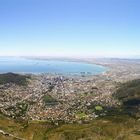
column 61, row 72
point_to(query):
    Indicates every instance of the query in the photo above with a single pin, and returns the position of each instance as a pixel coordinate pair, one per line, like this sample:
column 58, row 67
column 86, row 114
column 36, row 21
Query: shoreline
column 79, row 61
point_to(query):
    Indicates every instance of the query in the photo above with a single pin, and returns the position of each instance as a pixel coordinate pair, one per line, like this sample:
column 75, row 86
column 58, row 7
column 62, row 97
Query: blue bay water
column 22, row 65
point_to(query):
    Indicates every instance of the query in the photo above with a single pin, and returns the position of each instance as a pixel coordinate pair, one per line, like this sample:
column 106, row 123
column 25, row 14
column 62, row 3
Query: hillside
column 108, row 128
column 17, row 79
column 129, row 96
column 129, row 90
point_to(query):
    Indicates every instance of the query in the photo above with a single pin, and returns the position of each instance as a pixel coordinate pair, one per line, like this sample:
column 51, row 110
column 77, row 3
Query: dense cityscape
column 67, row 98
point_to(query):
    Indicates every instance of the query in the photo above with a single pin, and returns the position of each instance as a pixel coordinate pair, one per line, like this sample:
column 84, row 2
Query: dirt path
column 10, row 135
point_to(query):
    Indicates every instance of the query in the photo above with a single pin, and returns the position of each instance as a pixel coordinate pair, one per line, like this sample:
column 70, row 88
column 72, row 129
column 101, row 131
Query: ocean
column 36, row 66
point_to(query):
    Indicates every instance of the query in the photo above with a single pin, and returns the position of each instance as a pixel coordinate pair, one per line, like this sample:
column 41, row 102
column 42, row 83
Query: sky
column 70, row 28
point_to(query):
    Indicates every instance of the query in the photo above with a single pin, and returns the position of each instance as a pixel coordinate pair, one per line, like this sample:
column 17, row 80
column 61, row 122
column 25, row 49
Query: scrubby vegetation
column 98, row 108
column 129, row 95
column 107, row 128
column 81, row 115
column 49, row 100
column 129, row 90
column 17, row 79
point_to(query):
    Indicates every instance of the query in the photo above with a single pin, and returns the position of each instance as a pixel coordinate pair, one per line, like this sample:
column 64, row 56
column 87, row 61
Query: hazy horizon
column 71, row 57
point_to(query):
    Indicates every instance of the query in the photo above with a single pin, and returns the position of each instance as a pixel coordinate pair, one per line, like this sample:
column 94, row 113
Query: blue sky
column 73, row 28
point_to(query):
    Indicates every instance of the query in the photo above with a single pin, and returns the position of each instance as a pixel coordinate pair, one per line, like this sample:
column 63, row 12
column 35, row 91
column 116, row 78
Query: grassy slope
column 119, row 128
column 30, row 131
column 109, row 128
